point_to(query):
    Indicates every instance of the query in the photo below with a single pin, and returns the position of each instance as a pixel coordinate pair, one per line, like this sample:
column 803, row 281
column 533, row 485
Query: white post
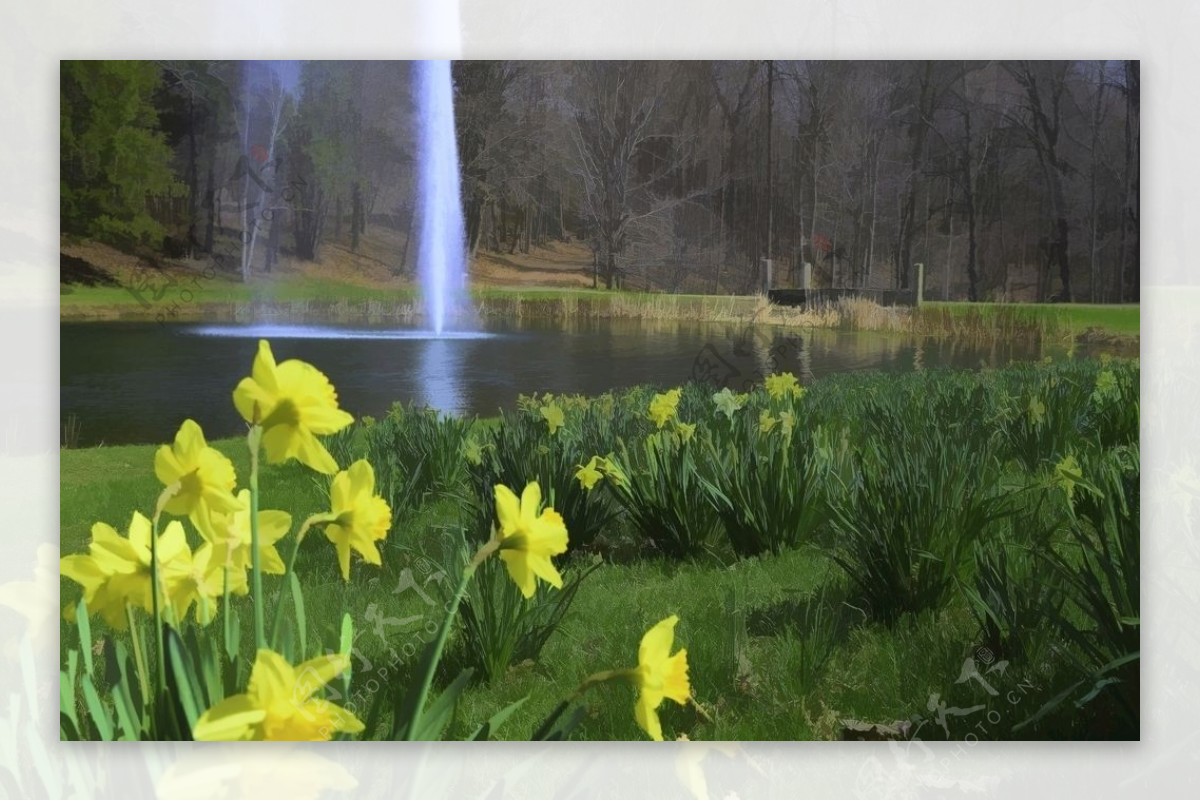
column 920, row 283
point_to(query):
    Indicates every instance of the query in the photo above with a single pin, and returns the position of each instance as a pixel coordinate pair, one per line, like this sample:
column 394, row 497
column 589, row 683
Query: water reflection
column 440, row 375
column 135, row 382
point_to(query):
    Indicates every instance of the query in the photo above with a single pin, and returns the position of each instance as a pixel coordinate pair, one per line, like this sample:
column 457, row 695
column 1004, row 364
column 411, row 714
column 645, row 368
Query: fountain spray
column 442, row 251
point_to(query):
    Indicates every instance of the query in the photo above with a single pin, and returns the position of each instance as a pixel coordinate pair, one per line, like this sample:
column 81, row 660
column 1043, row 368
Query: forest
column 1007, row 180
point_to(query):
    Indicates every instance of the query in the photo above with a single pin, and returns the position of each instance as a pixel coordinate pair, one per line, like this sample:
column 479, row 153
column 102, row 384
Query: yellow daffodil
column 787, row 421
column 659, row 675
column 553, row 415
column 293, row 402
column 664, row 406
column 190, row 580
column 278, row 703
column 230, row 539
column 1067, row 473
column 782, row 384
column 685, row 431
column 472, row 451
column 116, row 569
column 766, row 422
column 588, row 475
column 727, row 402
column 612, row 471
column 205, row 475
column 1106, row 386
column 528, row 539
column 1037, row 411
column 358, row 516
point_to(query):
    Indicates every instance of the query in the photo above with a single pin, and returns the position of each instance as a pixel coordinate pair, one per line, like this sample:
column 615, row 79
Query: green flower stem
column 313, row 520
column 443, row 634
column 156, row 607
column 254, row 439
column 139, row 659
column 629, row 674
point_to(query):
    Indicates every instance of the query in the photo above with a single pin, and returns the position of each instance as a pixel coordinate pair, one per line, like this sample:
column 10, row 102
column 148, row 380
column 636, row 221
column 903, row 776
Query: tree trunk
column 273, row 236
column 210, row 204
column 915, row 159
column 770, row 172
column 356, row 212
column 969, row 201
column 1128, row 289
column 193, row 178
column 874, row 198
column 408, row 236
column 477, row 226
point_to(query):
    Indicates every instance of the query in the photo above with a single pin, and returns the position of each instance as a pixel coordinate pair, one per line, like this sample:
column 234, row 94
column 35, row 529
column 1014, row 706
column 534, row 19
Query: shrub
column 500, row 628
column 521, row 449
column 1100, row 566
column 658, row 485
column 904, row 534
column 417, row 455
column 767, row 486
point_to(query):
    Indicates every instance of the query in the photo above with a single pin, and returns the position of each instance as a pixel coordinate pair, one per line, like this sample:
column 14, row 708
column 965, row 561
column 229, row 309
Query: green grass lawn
column 754, row 688
column 1123, row 319
column 743, row 623
column 224, row 290
column 221, row 296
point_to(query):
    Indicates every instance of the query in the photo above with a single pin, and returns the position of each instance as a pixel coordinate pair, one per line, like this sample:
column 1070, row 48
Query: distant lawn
column 1122, row 319
column 222, row 297
column 223, row 290
column 295, row 288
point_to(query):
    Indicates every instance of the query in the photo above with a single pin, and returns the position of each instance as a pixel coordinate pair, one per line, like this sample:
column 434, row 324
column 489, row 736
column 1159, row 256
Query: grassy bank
column 1053, row 320
column 836, row 555
column 102, row 283
column 317, row 301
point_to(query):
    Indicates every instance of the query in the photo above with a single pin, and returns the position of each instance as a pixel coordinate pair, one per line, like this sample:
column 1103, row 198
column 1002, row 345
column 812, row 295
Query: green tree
column 113, row 153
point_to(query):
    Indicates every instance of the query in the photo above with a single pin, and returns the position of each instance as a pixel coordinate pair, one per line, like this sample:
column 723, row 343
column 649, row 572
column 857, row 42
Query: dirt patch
column 382, row 260
column 557, row 264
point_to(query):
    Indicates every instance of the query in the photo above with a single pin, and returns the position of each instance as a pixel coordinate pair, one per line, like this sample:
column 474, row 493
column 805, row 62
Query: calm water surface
column 135, row 382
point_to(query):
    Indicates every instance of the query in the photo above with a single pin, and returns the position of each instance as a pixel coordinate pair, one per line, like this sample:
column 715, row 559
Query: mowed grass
column 1121, row 319
column 743, row 624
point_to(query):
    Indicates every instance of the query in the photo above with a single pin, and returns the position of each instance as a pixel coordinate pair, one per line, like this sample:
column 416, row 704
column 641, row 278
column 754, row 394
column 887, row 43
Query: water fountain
column 441, row 245
column 441, row 254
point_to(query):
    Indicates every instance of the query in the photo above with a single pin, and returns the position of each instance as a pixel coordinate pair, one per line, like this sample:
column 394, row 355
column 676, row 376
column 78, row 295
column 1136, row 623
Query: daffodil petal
column 531, row 499
column 231, row 719
column 252, row 402
column 644, row 711
column 508, row 509
column 675, row 682
column 544, row 569
column 656, row 643
column 324, row 669
column 517, row 563
column 311, row 452
column 271, row 676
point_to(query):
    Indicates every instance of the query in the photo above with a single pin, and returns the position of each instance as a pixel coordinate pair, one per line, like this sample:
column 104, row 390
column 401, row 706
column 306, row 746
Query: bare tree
column 1040, row 119
column 612, row 123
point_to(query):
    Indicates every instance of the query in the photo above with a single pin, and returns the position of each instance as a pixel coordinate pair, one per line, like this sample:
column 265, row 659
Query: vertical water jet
column 441, row 251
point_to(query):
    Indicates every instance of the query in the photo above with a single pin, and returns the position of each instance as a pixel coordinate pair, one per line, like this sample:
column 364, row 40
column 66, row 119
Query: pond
column 135, row 382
